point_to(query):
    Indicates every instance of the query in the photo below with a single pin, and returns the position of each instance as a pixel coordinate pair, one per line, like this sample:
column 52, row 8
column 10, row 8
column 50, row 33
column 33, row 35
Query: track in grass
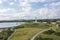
column 25, row 33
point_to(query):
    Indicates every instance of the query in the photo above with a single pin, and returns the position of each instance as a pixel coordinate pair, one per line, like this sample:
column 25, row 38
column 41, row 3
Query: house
column 53, row 22
column 44, row 22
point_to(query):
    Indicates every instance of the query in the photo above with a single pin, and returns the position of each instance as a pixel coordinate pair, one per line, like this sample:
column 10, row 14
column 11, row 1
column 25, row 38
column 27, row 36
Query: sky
column 29, row 9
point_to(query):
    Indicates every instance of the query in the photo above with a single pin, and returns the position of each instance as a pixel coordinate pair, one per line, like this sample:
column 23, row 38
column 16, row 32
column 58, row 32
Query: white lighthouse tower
column 35, row 19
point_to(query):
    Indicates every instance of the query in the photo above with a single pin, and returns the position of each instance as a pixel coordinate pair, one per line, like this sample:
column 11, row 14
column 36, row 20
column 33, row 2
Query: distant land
column 30, row 20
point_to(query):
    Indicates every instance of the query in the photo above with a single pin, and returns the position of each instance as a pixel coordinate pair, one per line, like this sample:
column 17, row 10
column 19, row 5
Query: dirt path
column 39, row 33
column 11, row 35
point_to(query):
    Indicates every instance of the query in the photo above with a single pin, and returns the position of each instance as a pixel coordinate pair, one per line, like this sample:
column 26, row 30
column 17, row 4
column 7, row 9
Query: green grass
column 25, row 33
column 37, row 25
column 53, row 36
column 5, row 34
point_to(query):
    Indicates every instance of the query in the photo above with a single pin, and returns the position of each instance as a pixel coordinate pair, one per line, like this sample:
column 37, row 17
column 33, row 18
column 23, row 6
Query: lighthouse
column 35, row 19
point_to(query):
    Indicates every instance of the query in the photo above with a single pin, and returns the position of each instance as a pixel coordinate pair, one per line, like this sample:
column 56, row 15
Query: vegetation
column 25, row 33
column 5, row 34
column 39, row 20
column 49, row 35
column 37, row 25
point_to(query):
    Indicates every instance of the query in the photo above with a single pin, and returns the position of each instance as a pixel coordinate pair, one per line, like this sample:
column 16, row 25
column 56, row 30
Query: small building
column 1, row 30
column 53, row 22
column 44, row 22
column 57, row 22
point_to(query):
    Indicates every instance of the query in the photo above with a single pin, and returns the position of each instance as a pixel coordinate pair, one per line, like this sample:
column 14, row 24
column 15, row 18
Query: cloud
column 11, row 3
column 15, row 0
column 42, row 1
column 1, row 1
column 7, row 13
column 55, row 4
column 37, row 0
column 3, row 10
column 50, row 10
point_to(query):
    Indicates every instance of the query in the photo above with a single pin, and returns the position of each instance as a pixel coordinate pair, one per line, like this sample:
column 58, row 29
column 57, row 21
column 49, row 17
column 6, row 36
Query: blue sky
column 29, row 9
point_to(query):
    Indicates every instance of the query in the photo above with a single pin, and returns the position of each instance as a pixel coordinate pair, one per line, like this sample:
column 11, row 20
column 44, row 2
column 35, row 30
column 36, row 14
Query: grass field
column 49, row 35
column 25, row 33
column 29, row 30
column 37, row 25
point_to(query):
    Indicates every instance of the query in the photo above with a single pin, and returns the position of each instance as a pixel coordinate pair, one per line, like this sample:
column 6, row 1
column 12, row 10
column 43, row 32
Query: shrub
column 17, row 27
column 47, row 39
column 49, row 32
column 39, row 38
column 1, row 37
column 57, row 33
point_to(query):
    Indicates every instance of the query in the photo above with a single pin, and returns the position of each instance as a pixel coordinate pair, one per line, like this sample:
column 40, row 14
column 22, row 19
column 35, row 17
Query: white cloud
column 15, row 0
column 1, row 1
column 4, row 15
column 41, row 0
column 37, row 0
column 55, row 4
column 25, row 3
column 5, row 18
column 28, row 12
column 3, row 10
column 41, row 13
column 26, row 8
column 54, row 9
column 11, row 3
column 52, row 13
column 4, row 0
column 46, row 13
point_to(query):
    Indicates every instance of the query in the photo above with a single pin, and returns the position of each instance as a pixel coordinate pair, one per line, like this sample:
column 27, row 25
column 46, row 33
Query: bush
column 1, row 37
column 47, row 39
column 39, row 38
column 17, row 27
column 49, row 32
column 5, row 34
column 57, row 33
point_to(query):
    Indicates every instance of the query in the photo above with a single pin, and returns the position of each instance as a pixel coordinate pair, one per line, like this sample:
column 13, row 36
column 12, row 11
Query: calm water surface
column 10, row 24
